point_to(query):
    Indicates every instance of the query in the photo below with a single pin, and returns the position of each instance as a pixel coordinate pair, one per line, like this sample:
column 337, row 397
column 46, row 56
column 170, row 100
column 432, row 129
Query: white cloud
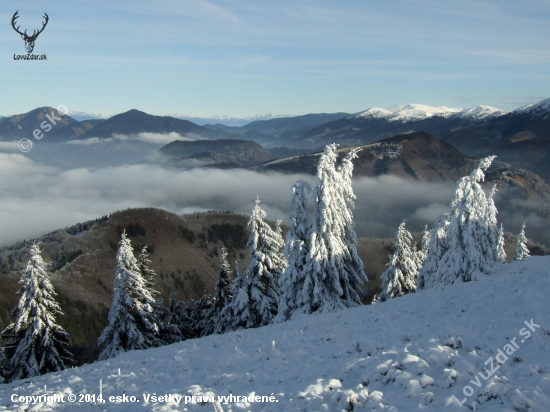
column 9, row 147
column 153, row 138
column 35, row 199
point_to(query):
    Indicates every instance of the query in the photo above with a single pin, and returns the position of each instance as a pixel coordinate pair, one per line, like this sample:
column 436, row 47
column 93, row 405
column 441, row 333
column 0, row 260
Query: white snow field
column 410, row 353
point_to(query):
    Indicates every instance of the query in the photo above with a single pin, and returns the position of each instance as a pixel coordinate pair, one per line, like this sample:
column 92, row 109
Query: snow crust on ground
column 412, row 353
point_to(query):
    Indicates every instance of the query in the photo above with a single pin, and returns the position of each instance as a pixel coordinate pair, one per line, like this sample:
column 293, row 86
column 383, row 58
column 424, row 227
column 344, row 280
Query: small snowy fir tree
column 471, row 235
column 36, row 345
column 422, row 253
column 256, row 293
column 132, row 319
column 296, row 248
column 401, row 276
column 521, row 246
column 280, row 259
column 501, row 253
column 333, row 270
column 168, row 333
column 493, row 232
column 224, row 293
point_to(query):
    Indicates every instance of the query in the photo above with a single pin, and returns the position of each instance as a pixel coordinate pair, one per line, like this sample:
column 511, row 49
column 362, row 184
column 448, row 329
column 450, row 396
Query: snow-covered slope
column 416, row 112
column 480, row 112
column 541, row 107
column 406, row 112
column 410, row 353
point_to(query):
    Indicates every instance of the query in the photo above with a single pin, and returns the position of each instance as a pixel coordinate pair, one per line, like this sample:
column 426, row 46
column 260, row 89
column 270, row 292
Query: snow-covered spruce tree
column 227, row 312
column 291, row 282
column 422, row 253
column 521, row 246
column 177, row 318
column 496, row 235
column 333, row 270
column 354, row 264
column 36, row 344
column 167, row 333
column 224, row 293
column 133, row 323
column 471, row 235
column 256, row 293
column 280, row 259
column 427, row 276
column 501, row 253
column 198, row 314
column 401, row 276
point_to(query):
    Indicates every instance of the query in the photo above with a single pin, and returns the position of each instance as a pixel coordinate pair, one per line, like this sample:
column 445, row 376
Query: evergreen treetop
column 401, row 276
column 521, row 246
column 133, row 323
column 36, row 343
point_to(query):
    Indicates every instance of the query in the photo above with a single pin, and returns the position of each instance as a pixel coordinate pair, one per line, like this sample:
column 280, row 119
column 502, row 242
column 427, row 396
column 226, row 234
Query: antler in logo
column 29, row 40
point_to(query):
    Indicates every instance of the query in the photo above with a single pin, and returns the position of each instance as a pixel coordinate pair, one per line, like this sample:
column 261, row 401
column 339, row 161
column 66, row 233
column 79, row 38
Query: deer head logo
column 29, row 40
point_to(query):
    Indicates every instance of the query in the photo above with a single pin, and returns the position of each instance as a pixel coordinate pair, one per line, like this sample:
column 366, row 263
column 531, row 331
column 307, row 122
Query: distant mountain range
column 201, row 121
column 283, row 128
column 226, row 120
column 520, row 137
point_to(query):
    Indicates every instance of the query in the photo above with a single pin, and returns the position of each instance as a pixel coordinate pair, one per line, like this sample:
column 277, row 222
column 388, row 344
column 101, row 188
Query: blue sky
column 241, row 58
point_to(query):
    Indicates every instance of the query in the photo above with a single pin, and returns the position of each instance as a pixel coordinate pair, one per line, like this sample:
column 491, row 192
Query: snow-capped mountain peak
column 414, row 112
column 406, row 112
column 534, row 108
column 480, row 112
column 373, row 113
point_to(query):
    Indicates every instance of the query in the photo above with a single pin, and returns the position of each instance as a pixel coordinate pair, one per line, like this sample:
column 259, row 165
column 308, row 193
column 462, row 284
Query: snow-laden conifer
column 471, row 235
column 256, row 293
column 428, row 274
column 178, row 320
column 493, row 230
column 36, row 343
column 222, row 299
column 333, row 270
column 296, row 248
column 521, row 246
column 132, row 319
column 279, row 250
column 354, row 265
column 422, row 253
column 167, row 333
column 501, row 252
column 202, row 324
column 401, row 276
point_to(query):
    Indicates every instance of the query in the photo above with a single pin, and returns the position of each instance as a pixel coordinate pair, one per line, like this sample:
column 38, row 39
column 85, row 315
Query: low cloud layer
column 35, row 199
column 154, row 138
